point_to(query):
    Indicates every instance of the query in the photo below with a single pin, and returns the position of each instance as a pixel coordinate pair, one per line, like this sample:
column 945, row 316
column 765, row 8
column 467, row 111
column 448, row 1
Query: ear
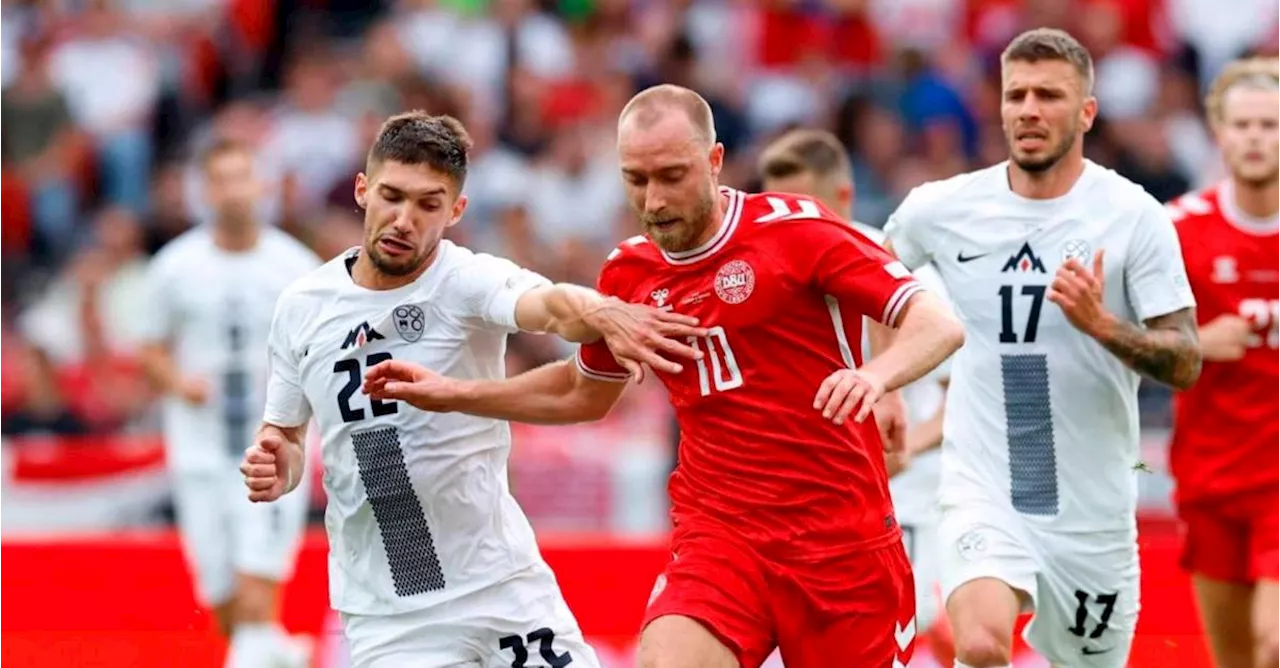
column 1088, row 113
column 362, row 190
column 844, row 194
column 459, row 207
column 717, row 158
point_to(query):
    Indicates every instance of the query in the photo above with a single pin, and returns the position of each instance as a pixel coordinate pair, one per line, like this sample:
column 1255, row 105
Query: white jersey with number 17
column 419, row 512
column 1039, row 416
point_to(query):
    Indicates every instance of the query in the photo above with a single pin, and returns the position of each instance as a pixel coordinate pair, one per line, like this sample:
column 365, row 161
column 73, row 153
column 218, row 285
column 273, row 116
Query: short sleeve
column 1155, row 277
column 904, row 231
column 286, row 404
column 490, row 288
column 840, row 261
column 162, row 317
column 594, row 359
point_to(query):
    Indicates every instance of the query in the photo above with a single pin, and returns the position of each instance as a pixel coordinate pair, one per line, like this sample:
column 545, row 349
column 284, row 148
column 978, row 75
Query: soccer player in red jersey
column 1224, row 455
column 784, row 533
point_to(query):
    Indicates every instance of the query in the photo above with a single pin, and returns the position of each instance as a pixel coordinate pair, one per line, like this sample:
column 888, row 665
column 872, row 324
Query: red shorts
column 1233, row 539
column 854, row 609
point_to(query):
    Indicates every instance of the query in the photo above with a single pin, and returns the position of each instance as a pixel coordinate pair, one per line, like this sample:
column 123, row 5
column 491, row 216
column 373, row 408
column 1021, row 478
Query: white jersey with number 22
column 419, row 512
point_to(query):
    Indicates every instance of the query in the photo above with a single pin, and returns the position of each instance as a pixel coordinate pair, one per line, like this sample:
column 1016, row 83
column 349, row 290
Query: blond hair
column 801, row 151
column 1256, row 73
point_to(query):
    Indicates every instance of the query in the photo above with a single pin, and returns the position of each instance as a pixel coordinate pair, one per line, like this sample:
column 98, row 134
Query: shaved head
column 671, row 163
column 653, row 105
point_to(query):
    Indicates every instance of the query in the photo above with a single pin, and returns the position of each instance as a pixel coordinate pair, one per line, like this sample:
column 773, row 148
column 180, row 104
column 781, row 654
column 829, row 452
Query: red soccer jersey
column 1226, row 426
column 783, row 287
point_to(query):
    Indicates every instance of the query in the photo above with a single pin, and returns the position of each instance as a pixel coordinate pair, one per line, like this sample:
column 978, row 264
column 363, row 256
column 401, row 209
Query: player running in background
column 1226, row 428
column 784, row 530
column 213, row 292
column 814, row 163
column 1070, row 282
column 431, row 561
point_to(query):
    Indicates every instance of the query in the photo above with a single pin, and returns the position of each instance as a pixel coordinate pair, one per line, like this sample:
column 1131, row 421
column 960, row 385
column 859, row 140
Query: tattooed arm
column 1167, row 350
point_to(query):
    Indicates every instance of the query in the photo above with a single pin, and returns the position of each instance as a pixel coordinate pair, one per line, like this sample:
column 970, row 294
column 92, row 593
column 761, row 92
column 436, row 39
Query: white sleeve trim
column 900, row 297
column 606, row 376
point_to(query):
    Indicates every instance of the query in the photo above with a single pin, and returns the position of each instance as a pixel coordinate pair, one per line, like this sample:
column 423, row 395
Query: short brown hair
column 220, row 147
column 1249, row 72
column 418, row 138
column 1040, row 44
column 805, row 151
column 650, row 102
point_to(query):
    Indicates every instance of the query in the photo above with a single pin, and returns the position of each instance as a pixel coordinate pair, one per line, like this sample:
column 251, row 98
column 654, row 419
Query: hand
column 848, row 391
column 891, row 417
column 413, row 384
column 637, row 333
column 1225, row 338
column 1078, row 292
column 194, row 391
column 266, row 469
column 896, row 462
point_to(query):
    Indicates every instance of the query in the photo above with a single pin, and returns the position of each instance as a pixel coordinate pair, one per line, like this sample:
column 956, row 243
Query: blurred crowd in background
column 106, row 102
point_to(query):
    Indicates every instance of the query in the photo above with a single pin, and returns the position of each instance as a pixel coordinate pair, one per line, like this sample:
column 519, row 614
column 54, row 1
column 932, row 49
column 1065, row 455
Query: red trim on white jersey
column 730, row 223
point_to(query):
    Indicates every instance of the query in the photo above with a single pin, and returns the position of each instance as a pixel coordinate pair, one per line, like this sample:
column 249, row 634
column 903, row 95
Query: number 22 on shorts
column 724, row 373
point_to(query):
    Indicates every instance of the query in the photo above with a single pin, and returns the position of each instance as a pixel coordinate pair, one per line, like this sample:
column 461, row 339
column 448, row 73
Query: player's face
column 407, row 208
column 828, row 191
column 231, row 187
column 1248, row 134
column 670, row 177
column 1045, row 112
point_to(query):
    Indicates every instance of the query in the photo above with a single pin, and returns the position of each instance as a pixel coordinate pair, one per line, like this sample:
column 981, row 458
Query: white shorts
column 921, row 542
column 522, row 622
column 1083, row 588
column 225, row 534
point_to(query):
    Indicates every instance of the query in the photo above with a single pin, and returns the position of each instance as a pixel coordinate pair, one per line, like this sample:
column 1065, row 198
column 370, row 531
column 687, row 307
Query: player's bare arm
column 157, row 363
column 1225, row 338
column 555, row 393
column 927, row 334
column 1166, row 348
column 273, row 465
column 637, row 334
column 891, row 410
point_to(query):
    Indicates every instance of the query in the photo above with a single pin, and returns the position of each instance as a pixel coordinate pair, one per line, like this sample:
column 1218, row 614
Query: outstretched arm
column 555, row 393
column 927, row 334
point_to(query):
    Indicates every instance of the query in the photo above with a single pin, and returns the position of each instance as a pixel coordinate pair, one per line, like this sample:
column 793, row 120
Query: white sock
column 256, row 645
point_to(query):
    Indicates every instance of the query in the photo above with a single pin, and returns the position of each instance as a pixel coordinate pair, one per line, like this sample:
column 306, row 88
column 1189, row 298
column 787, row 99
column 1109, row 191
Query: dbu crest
column 734, row 282
column 409, row 322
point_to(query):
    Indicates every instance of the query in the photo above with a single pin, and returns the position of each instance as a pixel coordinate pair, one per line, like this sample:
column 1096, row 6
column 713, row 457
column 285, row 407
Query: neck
column 717, row 219
column 235, row 238
column 1258, row 200
column 367, row 275
column 1049, row 184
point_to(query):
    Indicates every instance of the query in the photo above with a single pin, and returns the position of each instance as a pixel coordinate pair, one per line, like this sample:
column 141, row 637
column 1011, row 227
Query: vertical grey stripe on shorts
column 411, row 550
column 1033, row 471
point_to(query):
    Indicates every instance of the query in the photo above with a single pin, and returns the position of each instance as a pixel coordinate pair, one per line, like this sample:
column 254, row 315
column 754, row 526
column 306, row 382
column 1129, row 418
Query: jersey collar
column 730, row 223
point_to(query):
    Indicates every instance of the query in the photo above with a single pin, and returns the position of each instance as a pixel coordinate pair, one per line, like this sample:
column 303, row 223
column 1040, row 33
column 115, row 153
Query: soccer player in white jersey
column 814, row 163
column 431, row 561
column 214, row 290
column 1070, row 283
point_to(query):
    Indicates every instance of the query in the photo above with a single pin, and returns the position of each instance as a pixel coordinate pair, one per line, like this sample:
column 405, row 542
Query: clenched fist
column 269, row 467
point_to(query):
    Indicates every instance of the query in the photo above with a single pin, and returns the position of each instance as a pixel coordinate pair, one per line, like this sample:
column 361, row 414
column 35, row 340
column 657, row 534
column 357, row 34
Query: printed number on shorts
column 1108, row 604
column 544, row 637
column 724, row 373
column 355, row 374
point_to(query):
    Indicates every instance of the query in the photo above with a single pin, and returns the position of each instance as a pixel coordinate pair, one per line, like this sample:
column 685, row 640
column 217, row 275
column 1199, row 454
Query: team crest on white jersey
column 1078, row 249
column 409, row 322
column 1024, row 261
column 734, row 282
column 1224, row 270
column 971, row 544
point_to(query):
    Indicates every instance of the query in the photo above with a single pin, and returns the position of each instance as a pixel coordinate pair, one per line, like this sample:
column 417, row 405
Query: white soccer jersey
column 915, row 490
column 214, row 307
column 419, row 511
column 1039, row 415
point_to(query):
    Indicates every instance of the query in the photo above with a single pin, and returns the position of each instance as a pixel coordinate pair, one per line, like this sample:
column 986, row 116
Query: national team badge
column 1078, row 249
column 409, row 322
column 734, row 282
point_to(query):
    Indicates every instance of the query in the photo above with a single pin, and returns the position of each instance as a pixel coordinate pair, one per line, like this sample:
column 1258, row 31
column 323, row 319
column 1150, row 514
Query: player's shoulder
column 1196, row 209
column 633, row 256
column 1117, row 193
column 192, row 246
column 319, row 286
column 948, row 199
